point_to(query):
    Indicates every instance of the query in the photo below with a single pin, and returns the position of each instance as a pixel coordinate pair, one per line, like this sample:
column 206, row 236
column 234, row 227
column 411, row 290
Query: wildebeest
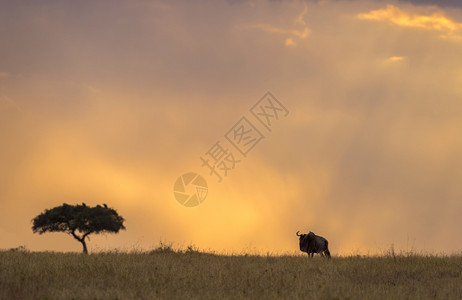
column 312, row 243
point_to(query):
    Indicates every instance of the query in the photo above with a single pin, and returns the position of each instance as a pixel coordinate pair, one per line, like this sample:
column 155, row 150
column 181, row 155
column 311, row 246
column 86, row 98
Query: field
column 164, row 273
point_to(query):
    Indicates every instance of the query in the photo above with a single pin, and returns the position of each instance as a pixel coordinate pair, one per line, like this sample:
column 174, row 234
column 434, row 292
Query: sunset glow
column 111, row 101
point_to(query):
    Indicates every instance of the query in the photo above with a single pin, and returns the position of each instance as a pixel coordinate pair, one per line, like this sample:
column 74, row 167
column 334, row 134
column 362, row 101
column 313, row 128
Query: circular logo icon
column 190, row 189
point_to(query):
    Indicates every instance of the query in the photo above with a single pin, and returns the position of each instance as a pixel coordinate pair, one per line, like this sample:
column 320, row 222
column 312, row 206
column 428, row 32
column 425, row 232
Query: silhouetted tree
column 78, row 220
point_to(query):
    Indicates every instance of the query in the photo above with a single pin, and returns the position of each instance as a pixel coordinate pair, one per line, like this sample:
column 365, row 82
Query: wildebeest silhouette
column 312, row 243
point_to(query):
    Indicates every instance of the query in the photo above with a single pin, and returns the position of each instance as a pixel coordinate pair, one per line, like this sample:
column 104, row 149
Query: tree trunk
column 82, row 240
column 85, row 251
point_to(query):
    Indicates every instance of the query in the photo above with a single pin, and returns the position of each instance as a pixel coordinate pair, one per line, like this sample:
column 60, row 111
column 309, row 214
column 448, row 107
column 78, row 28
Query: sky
column 112, row 101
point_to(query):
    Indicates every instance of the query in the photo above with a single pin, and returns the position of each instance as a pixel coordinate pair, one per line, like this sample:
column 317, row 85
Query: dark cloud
column 442, row 3
column 118, row 100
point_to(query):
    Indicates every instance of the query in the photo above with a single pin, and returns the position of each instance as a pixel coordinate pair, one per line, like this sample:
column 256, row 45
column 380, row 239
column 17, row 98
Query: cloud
column 4, row 75
column 294, row 35
column 394, row 59
column 93, row 89
column 442, row 3
column 120, row 102
column 290, row 42
column 6, row 103
column 434, row 22
column 293, row 32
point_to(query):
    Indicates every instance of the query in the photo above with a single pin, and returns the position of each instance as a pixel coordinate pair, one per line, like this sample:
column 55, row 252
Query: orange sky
column 111, row 101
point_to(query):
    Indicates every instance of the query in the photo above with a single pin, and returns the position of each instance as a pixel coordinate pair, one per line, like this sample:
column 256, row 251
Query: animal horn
column 297, row 233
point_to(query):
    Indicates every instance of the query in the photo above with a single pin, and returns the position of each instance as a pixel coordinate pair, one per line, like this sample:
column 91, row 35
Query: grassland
column 168, row 274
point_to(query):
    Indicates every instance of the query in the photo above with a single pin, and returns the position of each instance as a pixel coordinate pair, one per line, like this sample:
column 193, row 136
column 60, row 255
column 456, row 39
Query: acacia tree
column 79, row 221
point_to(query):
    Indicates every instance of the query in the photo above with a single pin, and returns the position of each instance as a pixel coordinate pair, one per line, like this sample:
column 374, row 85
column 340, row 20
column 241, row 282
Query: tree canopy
column 79, row 220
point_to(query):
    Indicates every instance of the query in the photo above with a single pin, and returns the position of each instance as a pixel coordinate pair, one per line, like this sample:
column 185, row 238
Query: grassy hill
column 164, row 273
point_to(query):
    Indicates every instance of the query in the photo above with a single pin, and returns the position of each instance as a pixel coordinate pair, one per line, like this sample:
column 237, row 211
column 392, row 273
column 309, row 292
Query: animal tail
column 327, row 252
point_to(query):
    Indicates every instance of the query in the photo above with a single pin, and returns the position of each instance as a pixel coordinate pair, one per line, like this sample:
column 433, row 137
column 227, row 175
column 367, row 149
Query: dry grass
column 164, row 273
